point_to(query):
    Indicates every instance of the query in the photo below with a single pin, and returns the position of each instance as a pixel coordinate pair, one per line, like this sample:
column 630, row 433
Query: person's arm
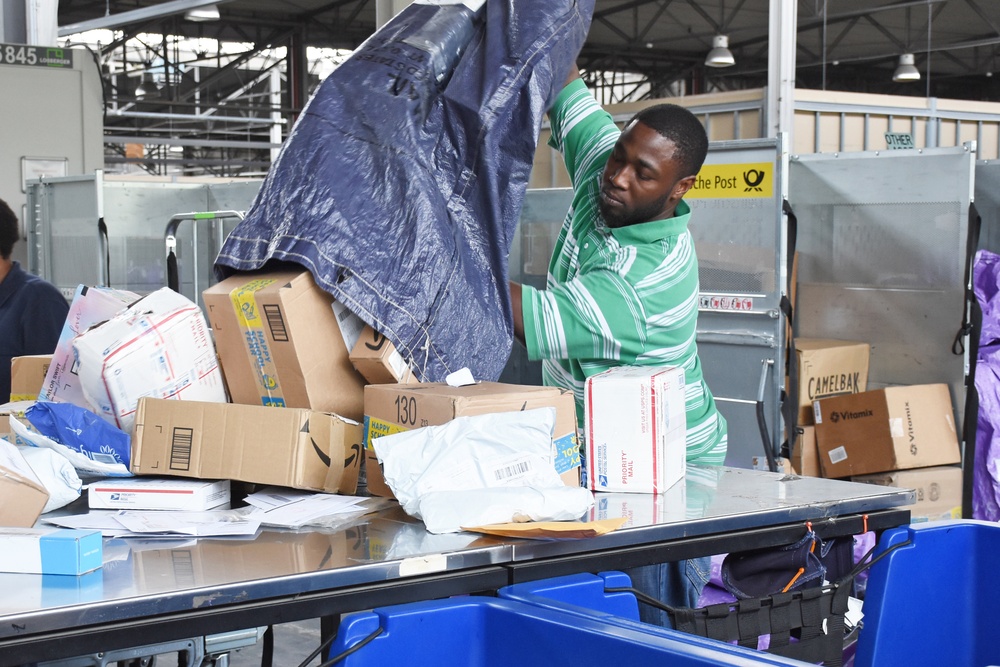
column 515, row 300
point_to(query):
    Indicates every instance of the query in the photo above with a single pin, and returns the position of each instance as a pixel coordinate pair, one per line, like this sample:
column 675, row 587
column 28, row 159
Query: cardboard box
column 391, row 408
column 159, row 346
column 378, row 360
column 22, row 495
column 280, row 344
column 144, row 493
column 50, row 550
column 294, row 447
column 937, row 490
column 896, row 428
column 27, row 375
column 829, row 368
column 90, row 306
column 805, row 456
column 636, row 424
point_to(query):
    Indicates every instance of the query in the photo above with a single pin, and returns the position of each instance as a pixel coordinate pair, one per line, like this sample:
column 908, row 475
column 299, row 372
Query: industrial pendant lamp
column 906, row 71
column 720, row 55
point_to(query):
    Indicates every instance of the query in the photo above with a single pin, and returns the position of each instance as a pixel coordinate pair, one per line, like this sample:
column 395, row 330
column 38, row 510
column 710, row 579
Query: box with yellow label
column 27, row 375
column 391, row 408
column 280, row 344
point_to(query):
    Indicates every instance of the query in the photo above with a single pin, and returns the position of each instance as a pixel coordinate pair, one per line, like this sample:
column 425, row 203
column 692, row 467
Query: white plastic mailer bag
column 477, row 470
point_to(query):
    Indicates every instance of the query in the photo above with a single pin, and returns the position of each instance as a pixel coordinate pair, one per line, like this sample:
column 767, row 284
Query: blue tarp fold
column 401, row 184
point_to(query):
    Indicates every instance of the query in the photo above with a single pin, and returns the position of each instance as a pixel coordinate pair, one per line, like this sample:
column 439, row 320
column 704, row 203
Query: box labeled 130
column 636, row 427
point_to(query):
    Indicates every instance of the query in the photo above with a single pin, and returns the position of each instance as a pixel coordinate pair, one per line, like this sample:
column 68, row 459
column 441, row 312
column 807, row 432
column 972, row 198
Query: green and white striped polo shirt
column 617, row 297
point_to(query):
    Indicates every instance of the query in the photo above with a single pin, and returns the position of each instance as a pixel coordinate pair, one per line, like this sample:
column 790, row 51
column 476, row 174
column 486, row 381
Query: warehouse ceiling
column 657, row 46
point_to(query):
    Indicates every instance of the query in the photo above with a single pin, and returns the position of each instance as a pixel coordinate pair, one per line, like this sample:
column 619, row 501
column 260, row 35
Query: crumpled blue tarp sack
column 986, row 475
column 401, row 184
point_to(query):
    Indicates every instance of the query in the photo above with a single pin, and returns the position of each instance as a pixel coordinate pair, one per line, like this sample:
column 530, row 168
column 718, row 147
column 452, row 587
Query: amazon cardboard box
column 896, row 428
column 294, row 447
column 378, row 360
column 280, row 344
column 829, row 368
column 937, row 490
column 27, row 375
column 22, row 495
column 392, row 408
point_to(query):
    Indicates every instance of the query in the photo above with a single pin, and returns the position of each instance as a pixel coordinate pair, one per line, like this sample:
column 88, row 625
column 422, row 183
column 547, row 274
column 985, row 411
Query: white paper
column 289, row 508
column 201, row 524
column 460, row 378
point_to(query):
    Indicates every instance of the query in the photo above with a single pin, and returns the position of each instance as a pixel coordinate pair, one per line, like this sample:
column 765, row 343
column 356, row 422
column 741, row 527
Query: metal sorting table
column 151, row 591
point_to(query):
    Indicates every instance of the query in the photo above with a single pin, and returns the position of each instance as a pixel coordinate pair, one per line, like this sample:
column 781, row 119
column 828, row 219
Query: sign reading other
column 898, row 140
column 734, row 181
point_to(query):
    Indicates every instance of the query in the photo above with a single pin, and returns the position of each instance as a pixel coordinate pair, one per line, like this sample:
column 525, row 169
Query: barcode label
column 101, row 457
column 180, row 448
column 276, row 323
column 512, row 470
column 838, row 454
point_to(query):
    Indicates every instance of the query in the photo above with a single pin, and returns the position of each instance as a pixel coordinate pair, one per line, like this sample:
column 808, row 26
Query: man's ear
column 682, row 186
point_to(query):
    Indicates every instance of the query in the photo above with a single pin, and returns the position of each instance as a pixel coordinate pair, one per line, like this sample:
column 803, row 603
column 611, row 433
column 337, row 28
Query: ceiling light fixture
column 720, row 55
column 206, row 13
column 147, row 87
column 906, row 71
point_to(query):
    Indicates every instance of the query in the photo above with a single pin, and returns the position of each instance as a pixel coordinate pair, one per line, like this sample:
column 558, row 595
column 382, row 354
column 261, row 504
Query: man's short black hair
column 683, row 128
column 9, row 230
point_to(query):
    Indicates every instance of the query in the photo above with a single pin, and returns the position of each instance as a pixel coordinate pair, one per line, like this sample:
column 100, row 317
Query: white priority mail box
column 50, row 550
column 160, row 347
column 636, row 427
column 152, row 493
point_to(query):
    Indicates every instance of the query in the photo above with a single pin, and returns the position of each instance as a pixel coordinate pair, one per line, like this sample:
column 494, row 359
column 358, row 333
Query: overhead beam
column 136, row 15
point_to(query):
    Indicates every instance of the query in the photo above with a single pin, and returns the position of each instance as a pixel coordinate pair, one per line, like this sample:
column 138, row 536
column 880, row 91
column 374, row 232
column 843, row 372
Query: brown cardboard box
column 378, row 360
column 896, row 428
column 295, row 447
column 393, row 408
column 280, row 345
column 937, row 490
column 22, row 496
column 27, row 375
column 829, row 368
column 805, row 456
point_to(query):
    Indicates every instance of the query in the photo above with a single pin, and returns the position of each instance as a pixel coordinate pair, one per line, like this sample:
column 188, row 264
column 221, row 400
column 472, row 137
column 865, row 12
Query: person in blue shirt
column 32, row 311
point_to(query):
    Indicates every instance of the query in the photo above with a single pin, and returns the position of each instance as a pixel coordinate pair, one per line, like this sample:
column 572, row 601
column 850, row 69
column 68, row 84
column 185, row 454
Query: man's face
column 641, row 180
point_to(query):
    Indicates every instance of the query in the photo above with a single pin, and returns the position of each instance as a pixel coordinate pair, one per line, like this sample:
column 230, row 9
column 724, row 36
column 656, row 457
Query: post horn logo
column 752, row 178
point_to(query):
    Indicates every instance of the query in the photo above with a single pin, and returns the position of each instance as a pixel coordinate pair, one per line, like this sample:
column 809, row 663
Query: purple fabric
column 986, row 480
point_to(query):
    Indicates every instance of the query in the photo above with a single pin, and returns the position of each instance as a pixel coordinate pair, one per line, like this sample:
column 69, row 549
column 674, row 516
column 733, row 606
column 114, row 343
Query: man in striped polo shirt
column 622, row 285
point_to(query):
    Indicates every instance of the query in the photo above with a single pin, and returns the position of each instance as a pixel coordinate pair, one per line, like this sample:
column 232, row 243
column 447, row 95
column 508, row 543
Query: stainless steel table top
column 150, row 577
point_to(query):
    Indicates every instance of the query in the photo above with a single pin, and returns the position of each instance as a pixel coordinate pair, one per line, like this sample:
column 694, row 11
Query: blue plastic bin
column 584, row 595
column 935, row 601
column 483, row 632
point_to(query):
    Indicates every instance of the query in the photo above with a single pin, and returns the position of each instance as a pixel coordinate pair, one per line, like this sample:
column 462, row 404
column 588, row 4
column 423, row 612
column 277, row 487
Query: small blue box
column 50, row 550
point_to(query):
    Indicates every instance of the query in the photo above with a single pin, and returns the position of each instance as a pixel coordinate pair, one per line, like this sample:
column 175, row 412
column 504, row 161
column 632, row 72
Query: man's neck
column 5, row 266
